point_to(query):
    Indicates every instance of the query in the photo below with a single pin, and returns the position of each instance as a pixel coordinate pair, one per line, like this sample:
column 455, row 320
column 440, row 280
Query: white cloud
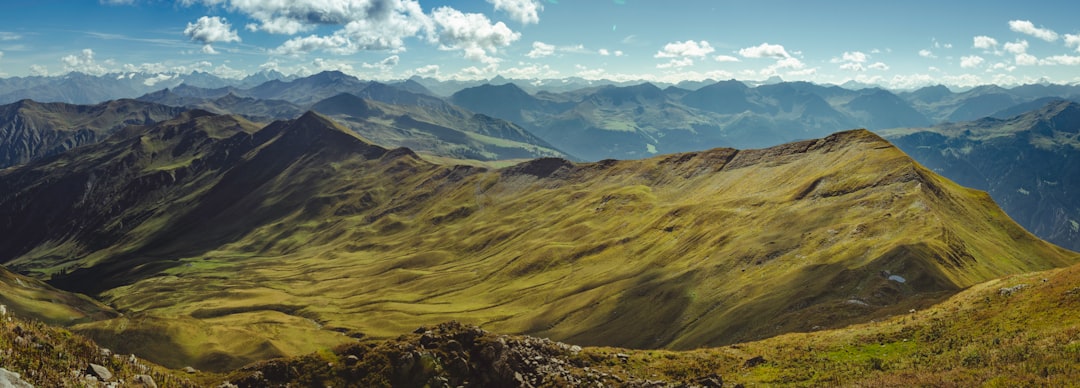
column 878, row 66
column 854, row 56
column 384, row 65
column 7, row 36
column 531, row 71
column 427, row 71
column 1066, row 60
column 984, row 42
column 151, row 68
column 158, row 79
column 688, row 48
column 524, row 11
column 83, row 62
column 1018, row 47
column 541, row 49
column 603, row 52
column 117, row 2
column 764, row 50
column 1025, row 59
column 1027, row 27
column 927, row 53
column 725, row 58
column 618, row 53
column 224, row 71
column 676, row 63
column 853, row 66
column 1001, row 66
column 789, row 63
column 472, row 33
column 971, row 61
column 337, row 43
column 851, row 60
column 209, row 30
column 327, row 65
column 208, row 49
column 365, row 24
column 1072, row 41
column 1, row 55
column 38, row 71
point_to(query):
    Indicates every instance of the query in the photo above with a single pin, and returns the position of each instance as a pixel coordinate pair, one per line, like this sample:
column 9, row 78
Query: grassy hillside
column 31, row 298
column 307, row 236
column 1020, row 330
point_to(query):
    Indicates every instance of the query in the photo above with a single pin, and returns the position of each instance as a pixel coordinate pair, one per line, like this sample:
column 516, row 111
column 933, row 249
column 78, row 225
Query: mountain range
column 30, row 130
column 282, row 238
column 1028, row 163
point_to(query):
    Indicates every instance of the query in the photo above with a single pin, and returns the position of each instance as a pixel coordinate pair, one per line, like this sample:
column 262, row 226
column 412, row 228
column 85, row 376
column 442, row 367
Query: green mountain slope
column 1028, row 163
column 249, row 243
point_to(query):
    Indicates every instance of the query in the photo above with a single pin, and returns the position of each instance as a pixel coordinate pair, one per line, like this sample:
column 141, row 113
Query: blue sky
column 897, row 44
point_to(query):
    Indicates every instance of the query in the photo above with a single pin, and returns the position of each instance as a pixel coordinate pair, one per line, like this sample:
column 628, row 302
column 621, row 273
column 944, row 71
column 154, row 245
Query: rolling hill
column 223, row 242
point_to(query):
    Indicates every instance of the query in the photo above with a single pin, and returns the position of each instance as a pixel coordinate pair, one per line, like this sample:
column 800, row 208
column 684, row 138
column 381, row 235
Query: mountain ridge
column 277, row 230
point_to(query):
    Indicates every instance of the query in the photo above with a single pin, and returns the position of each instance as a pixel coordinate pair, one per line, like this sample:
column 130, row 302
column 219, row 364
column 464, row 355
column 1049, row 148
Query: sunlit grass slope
column 1021, row 330
column 306, row 235
column 31, row 298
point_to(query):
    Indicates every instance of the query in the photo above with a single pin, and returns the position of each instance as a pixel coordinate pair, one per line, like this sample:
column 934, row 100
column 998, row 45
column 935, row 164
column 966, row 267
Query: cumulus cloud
column 159, row 79
column 676, row 63
column 472, row 33
column 852, row 60
column 725, row 58
column 688, row 48
column 427, row 71
column 971, row 61
column 531, row 71
column 854, row 56
column 1072, row 41
column 1066, row 60
column 927, row 53
column 1025, row 59
column 524, row 11
column 853, row 66
column 764, row 50
column 83, row 62
column 208, row 30
column 1027, row 27
column 984, row 42
column 337, row 43
column 365, row 24
column 328, row 65
column 540, row 50
column 1018, row 47
column 878, row 66
column 383, row 65
column 38, row 71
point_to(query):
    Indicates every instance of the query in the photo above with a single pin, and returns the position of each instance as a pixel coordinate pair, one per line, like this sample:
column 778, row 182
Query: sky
column 896, row 44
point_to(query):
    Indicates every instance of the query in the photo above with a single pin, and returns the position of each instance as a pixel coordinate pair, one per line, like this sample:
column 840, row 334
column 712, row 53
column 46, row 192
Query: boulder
column 144, row 381
column 12, row 379
column 102, row 373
